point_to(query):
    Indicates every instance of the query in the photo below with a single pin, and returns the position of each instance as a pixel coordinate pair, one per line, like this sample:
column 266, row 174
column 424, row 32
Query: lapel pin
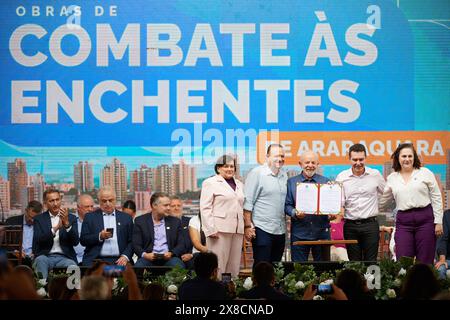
column 167, row 228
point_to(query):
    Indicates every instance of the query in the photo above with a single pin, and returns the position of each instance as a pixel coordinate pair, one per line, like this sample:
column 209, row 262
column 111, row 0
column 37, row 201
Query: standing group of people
column 230, row 211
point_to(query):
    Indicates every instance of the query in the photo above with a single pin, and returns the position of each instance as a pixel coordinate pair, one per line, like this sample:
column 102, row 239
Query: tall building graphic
column 164, row 179
column 27, row 194
column 115, row 175
column 83, row 177
column 38, row 184
column 4, row 197
column 142, row 199
column 142, row 179
column 184, row 177
column 18, row 178
column 387, row 169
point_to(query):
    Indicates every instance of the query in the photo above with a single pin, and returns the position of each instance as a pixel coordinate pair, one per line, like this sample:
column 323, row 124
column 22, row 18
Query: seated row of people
column 60, row 239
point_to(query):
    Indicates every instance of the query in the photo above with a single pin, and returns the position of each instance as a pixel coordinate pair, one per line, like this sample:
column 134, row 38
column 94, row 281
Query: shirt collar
column 303, row 178
column 109, row 214
column 267, row 171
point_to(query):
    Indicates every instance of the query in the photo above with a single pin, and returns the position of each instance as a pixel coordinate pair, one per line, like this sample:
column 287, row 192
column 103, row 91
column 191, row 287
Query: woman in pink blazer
column 221, row 209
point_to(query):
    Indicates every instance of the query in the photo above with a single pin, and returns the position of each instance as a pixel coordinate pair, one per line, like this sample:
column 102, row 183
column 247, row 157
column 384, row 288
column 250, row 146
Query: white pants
column 228, row 248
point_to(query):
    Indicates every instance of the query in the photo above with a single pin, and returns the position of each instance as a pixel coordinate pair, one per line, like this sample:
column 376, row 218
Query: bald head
column 107, row 199
column 309, row 161
column 85, row 204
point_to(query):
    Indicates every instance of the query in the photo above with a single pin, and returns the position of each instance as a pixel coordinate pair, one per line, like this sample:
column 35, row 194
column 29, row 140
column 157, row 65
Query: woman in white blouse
column 419, row 202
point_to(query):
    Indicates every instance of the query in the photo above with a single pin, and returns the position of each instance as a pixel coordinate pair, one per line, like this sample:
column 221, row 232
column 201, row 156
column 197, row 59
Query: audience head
column 206, row 264
column 160, row 204
column 352, row 283
column 153, row 291
column 52, row 200
column 129, row 207
column 264, row 274
column 58, row 289
column 107, row 199
column 420, row 283
column 85, row 204
column 32, row 210
column 94, row 287
column 176, row 207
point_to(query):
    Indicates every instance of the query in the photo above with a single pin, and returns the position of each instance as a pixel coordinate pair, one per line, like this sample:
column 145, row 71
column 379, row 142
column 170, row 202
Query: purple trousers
column 414, row 234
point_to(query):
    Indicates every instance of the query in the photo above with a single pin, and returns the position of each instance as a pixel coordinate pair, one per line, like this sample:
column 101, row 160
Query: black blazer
column 43, row 236
column 186, row 238
column 144, row 235
column 93, row 225
column 15, row 221
column 444, row 241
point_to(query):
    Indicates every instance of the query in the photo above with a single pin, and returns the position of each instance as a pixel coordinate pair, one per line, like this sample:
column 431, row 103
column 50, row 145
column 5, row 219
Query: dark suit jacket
column 144, row 235
column 202, row 289
column 43, row 236
column 186, row 238
column 311, row 227
column 444, row 240
column 15, row 221
column 93, row 225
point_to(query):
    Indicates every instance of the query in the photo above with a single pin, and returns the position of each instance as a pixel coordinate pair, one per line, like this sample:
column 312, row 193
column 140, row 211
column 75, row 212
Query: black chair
column 11, row 242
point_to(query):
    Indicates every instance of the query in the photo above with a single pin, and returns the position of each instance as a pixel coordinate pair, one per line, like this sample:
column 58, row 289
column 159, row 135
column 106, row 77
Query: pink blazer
column 221, row 208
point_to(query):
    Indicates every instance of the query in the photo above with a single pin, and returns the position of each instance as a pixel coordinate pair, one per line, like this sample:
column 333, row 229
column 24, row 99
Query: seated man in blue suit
column 158, row 237
column 107, row 233
column 55, row 233
column 306, row 226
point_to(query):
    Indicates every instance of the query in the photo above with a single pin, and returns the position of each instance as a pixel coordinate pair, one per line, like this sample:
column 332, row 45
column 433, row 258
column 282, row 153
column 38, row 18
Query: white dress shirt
column 421, row 190
column 110, row 246
column 361, row 193
column 56, row 248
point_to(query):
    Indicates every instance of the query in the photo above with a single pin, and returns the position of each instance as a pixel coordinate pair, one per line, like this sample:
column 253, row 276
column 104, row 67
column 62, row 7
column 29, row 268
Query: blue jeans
column 174, row 261
column 443, row 270
column 43, row 263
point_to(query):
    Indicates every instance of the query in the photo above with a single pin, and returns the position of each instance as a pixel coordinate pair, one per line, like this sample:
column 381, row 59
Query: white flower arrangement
column 248, row 283
column 391, row 293
column 402, row 272
column 172, row 289
column 42, row 293
column 397, row 282
column 317, row 297
column 327, row 282
column 300, row 285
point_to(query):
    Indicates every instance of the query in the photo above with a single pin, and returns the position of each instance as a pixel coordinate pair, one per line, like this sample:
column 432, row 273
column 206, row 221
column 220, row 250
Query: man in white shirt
column 362, row 186
column 54, row 236
column 85, row 204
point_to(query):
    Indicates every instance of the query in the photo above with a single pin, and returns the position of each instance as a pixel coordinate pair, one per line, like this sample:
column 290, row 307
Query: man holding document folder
column 307, row 225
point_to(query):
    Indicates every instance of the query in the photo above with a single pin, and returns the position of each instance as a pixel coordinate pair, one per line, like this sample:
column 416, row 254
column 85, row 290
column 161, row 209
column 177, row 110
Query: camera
column 113, row 271
column 111, row 230
column 226, row 278
column 159, row 256
column 324, row 288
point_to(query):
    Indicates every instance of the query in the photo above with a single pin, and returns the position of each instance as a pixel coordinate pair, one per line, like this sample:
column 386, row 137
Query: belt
column 362, row 221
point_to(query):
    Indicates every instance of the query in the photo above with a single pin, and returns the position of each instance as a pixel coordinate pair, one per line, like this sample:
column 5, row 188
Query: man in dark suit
column 107, row 233
column 158, row 237
column 25, row 222
column 306, row 226
column 205, row 285
column 176, row 210
column 55, row 233
column 443, row 247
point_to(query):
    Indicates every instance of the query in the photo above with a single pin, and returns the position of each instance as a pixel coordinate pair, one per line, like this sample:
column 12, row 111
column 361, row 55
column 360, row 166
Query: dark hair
column 205, row 263
column 420, row 283
column 129, row 204
column 202, row 233
column 50, row 191
column 263, row 273
column 357, row 147
column 153, row 291
column 269, row 148
column 58, row 290
column 35, row 206
column 352, row 283
column 223, row 160
column 396, row 163
column 155, row 197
